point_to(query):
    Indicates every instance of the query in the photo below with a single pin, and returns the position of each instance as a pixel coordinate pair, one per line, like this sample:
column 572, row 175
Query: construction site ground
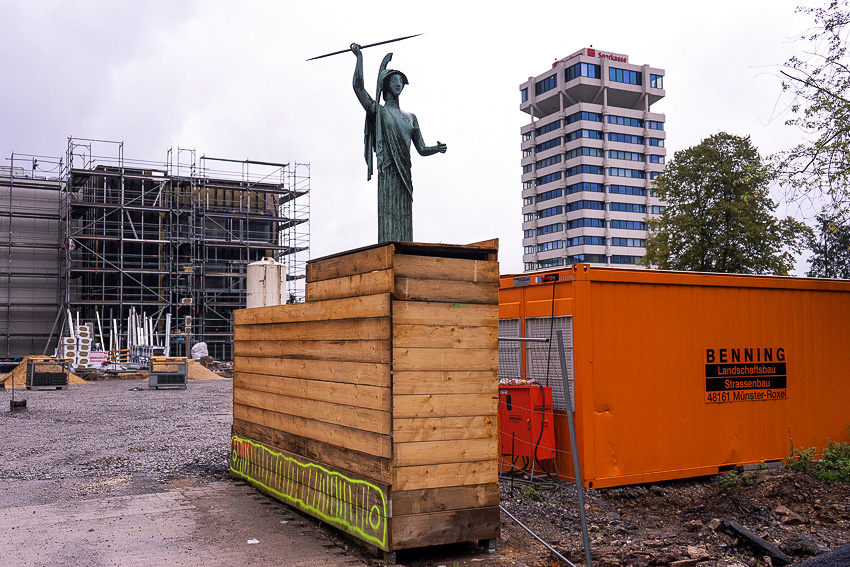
column 112, row 473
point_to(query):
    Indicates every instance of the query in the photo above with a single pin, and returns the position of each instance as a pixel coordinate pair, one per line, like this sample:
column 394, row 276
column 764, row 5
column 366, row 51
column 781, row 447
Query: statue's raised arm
column 389, row 132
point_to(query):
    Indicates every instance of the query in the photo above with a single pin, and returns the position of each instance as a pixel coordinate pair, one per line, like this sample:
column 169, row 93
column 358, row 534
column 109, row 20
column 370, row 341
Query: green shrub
column 730, row 480
column 835, row 462
column 800, row 459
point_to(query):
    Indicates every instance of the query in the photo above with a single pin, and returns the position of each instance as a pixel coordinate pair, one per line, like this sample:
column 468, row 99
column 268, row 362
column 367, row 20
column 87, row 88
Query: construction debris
column 18, row 377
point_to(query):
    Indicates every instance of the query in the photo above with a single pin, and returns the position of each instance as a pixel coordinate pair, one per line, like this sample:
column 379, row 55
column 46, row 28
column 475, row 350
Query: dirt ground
column 675, row 523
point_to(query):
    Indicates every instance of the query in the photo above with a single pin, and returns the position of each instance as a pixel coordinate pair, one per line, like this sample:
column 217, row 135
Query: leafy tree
column 831, row 248
column 818, row 82
column 719, row 213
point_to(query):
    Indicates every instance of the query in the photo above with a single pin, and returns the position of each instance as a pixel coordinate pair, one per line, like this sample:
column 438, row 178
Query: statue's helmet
column 388, row 74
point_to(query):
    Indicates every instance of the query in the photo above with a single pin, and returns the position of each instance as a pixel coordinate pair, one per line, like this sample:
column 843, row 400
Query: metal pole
column 579, row 488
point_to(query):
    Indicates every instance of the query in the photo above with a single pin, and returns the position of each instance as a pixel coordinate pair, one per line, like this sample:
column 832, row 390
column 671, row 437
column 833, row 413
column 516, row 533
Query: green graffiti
column 356, row 506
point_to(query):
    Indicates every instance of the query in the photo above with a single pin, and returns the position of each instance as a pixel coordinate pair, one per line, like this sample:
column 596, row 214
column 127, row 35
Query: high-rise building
column 589, row 156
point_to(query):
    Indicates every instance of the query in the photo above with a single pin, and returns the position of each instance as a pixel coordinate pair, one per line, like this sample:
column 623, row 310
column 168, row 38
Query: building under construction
column 99, row 235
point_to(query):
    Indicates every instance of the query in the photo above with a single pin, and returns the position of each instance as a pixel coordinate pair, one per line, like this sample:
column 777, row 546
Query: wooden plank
column 343, row 351
column 444, row 428
column 437, row 268
column 369, row 260
column 367, row 373
column 359, row 395
column 338, row 329
column 439, row 528
column 346, row 308
column 436, row 452
column 445, row 336
column 445, row 359
column 417, row 289
column 351, row 286
column 357, row 506
column 436, row 313
column 445, row 474
column 428, row 405
column 409, row 502
column 448, row 382
column 367, row 466
column 321, row 412
column 354, row 439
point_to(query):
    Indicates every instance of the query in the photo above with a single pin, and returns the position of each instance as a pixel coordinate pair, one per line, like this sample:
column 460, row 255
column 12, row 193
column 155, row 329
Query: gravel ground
column 114, row 437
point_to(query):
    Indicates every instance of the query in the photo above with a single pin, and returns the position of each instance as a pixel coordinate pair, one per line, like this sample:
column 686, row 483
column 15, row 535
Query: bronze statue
column 388, row 133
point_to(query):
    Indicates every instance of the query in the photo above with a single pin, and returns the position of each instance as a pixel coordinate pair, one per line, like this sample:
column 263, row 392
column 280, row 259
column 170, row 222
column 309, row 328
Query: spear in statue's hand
column 364, row 46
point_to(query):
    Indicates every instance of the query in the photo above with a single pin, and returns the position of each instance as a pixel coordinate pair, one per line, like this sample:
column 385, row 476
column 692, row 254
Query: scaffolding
column 30, row 188
column 158, row 239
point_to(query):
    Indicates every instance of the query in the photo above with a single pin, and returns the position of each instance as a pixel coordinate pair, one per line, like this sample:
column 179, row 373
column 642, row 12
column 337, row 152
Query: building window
column 586, row 241
column 631, row 242
column 527, row 185
column 550, row 212
column 550, row 263
column 549, row 178
column 583, row 70
column 586, row 259
column 627, row 224
column 553, row 194
column 528, row 217
column 585, row 186
column 657, row 209
column 527, row 201
column 656, row 159
column 526, row 136
column 628, row 156
column 654, row 174
column 528, row 168
column 524, row 95
column 625, row 138
column 625, row 259
column 529, row 266
column 585, row 204
column 655, row 142
column 627, row 207
column 624, row 76
column 625, row 121
column 545, row 85
column 627, row 190
column 584, row 168
column 583, row 115
column 547, row 128
column 553, row 143
column 655, row 125
column 550, row 228
column 622, row 172
column 528, row 233
column 583, row 151
column 528, row 249
column 584, row 133
column 526, row 152
column 551, row 245
column 586, row 223
column 656, row 81
column 548, row 161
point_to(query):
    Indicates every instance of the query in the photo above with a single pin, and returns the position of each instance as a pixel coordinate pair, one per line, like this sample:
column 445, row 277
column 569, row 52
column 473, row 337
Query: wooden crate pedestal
column 372, row 406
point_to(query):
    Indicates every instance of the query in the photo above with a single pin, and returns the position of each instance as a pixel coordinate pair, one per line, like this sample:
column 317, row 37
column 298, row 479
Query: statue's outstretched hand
column 441, row 147
column 355, row 48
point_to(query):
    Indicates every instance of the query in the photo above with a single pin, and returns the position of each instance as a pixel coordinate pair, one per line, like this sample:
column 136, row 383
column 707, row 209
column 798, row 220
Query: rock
column 655, row 519
column 800, row 544
column 759, row 544
column 781, row 510
column 693, row 525
column 656, row 490
column 684, row 563
column 698, row 553
column 793, row 519
column 715, row 525
column 613, row 516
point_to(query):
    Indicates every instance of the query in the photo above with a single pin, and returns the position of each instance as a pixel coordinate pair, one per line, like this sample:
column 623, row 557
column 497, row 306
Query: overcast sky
column 230, row 79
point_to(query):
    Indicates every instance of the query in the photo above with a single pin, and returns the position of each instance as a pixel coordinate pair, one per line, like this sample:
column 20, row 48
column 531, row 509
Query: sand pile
column 198, row 372
column 18, row 376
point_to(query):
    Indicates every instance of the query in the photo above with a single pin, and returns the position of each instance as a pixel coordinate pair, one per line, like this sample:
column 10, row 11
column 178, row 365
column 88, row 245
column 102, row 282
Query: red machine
column 526, row 421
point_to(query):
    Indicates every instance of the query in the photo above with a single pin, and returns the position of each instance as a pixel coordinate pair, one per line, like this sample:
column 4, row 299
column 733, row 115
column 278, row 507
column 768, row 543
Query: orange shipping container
column 680, row 374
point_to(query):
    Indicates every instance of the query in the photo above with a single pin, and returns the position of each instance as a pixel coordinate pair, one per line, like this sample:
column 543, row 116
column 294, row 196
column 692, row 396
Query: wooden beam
column 347, row 308
column 367, row 373
column 349, row 286
column 338, row 329
column 342, row 351
column 445, row 527
column 358, row 395
column 444, row 313
column 409, row 502
column 445, row 359
column 442, row 475
column 438, row 452
column 416, row 289
column 444, row 428
column 445, row 336
column 369, row 260
column 436, row 268
column 445, row 382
